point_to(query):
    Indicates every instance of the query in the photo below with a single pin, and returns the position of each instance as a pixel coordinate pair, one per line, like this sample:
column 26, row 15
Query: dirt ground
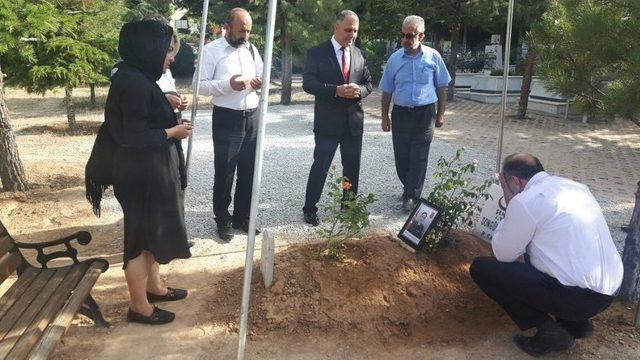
column 380, row 302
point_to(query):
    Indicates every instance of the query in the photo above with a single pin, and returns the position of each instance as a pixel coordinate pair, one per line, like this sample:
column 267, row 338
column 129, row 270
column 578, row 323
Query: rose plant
column 457, row 195
column 347, row 215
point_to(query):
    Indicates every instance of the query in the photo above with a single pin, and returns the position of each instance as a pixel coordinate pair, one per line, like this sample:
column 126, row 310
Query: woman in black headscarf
column 140, row 142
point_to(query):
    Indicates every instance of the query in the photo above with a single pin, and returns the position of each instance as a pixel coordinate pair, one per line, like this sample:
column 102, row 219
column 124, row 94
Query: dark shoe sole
column 312, row 221
column 171, row 295
column 244, row 229
column 157, row 317
column 527, row 345
column 578, row 332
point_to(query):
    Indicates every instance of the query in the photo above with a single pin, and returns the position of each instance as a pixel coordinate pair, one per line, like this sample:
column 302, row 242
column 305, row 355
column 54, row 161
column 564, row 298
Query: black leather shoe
column 171, row 295
column 550, row 337
column 408, row 204
column 157, row 317
column 311, row 219
column 577, row 329
column 224, row 230
column 191, row 243
column 243, row 226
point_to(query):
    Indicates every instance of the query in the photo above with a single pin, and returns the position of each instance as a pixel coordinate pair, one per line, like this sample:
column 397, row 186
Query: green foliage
column 517, row 72
column 139, row 9
column 470, row 62
column 375, row 53
column 348, row 215
column 589, row 50
column 308, row 21
column 458, row 197
column 66, row 44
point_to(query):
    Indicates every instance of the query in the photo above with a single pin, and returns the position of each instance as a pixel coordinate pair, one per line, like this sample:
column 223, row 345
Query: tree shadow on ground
column 62, row 129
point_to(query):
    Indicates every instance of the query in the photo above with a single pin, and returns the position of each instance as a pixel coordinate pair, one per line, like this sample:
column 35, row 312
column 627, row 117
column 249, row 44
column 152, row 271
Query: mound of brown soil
column 379, row 289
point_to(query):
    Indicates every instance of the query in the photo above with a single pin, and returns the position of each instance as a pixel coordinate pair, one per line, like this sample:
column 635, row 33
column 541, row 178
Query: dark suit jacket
column 334, row 115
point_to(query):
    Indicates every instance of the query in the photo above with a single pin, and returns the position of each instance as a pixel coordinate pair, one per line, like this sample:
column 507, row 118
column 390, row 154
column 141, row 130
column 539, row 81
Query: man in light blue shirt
column 417, row 78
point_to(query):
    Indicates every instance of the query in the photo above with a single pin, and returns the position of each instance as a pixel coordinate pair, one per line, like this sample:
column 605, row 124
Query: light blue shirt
column 413, row 80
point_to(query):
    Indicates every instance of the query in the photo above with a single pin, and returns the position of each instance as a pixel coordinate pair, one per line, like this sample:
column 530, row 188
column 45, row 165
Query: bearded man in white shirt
column 571, row 269
column 231, row 73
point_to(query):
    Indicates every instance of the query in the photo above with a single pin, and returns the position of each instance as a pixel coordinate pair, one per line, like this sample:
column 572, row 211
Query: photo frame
column 422, row 218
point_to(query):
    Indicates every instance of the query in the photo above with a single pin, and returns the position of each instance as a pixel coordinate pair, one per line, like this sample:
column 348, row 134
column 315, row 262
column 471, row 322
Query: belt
column 243, row 112
column 412, row 108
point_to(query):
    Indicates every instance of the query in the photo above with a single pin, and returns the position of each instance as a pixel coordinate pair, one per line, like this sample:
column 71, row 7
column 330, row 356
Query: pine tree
column 589, row 50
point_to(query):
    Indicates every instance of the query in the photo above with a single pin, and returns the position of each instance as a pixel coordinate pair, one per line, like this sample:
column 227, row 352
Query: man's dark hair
column 523, row 166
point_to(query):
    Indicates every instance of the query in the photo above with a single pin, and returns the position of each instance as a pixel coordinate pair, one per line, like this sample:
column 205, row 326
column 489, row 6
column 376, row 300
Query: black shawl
column 143, row 45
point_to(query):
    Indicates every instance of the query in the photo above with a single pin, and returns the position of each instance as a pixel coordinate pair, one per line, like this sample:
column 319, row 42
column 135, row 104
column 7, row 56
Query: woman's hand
column 179, row 102
column 184, row 103
column 174, row 100
column 180, row 131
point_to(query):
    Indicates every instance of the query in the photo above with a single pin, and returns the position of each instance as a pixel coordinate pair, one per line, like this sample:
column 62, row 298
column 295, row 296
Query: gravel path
column 288, row 151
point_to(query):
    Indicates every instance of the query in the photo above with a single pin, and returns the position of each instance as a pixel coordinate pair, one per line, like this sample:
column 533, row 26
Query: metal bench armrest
column 83, row 238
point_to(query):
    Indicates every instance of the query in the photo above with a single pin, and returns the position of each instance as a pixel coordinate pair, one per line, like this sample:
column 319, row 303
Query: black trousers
column 234, row 146
column 350, row 150
column 412, row 132
column 530, row 296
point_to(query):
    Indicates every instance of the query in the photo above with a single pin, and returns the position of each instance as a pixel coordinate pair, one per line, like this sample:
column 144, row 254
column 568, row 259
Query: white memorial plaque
column 446, row 48
column 494, row 56
column 492, row 212
column 267, row 258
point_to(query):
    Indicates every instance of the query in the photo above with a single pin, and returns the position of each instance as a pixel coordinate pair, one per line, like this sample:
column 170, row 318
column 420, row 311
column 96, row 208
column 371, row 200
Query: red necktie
column 345, row 66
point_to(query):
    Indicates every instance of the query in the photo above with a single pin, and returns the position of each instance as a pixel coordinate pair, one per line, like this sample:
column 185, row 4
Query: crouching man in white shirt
column 571, row 269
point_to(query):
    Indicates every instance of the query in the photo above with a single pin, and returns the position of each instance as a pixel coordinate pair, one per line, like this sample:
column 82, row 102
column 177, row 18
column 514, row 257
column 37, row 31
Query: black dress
column 148, row 169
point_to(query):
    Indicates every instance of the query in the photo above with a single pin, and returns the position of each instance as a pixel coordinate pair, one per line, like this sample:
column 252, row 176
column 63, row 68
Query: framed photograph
column 420, row 221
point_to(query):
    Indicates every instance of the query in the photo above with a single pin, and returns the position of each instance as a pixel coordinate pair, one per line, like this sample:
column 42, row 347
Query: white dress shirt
column 220, row 61
column 560, row 225
column 338, row 49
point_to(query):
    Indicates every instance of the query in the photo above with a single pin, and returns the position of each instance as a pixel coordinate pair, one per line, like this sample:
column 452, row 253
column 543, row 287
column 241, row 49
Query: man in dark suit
column 336, row 73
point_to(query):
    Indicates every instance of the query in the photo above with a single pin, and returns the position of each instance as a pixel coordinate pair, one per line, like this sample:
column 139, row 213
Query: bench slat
column 12, row 316
column 57, row 328
column 17, row 289
column 30, row 313
column 9, row 262
column 57, row 300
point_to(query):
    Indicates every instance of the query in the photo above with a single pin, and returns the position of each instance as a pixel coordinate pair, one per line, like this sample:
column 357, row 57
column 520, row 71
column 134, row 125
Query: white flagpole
column 505, row 80
column 196, row 79
column 257, row 177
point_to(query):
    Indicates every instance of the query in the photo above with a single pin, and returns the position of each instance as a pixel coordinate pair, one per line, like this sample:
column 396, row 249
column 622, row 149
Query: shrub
column 472, row 62
column 348, row 215
column 457, row 196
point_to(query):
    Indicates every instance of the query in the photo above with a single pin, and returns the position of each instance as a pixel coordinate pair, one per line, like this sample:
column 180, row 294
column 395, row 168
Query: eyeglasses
column 409, row 36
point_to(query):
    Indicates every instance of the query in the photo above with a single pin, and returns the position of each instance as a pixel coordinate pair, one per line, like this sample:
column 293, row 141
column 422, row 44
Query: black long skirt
column 154, row 208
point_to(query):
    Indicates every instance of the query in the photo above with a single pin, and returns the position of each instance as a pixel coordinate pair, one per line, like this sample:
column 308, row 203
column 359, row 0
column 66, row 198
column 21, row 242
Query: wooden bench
column 38, row 308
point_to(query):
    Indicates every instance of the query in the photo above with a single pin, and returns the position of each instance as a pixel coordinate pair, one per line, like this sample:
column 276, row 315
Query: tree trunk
column 287, row 60
column 630, row 289
column 525, row 89
column 464, row 38
column 92, row 87
column 453, row 59
column 11, row 171
column 71, row 109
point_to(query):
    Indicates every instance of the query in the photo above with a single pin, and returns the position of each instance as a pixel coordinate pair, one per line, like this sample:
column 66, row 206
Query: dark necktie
column 345, row 65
